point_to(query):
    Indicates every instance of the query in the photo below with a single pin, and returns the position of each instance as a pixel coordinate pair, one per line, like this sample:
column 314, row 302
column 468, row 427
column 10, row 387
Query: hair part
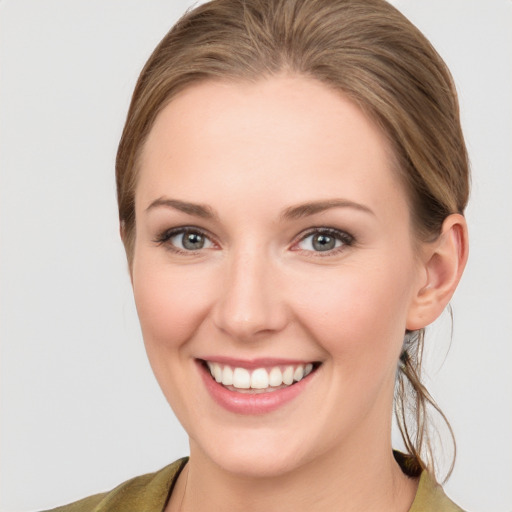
column 366, row 50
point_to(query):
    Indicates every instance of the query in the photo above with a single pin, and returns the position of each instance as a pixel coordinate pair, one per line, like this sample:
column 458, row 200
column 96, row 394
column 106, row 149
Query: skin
column 248, row 152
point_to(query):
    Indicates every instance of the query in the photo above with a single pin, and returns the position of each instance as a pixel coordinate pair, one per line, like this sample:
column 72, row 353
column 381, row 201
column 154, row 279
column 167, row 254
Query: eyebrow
column 198, row 210
column 292, row 212
column 313, row 207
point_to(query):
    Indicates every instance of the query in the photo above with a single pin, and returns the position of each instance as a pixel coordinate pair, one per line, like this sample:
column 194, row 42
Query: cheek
column 357, row 312
column 171, row 304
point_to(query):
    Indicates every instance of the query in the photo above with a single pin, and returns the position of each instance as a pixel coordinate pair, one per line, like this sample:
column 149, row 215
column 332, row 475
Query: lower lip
column 248, row 403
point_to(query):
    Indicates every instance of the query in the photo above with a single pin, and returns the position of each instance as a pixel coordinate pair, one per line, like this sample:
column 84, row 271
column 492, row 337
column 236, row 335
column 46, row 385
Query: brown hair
column 365, row 49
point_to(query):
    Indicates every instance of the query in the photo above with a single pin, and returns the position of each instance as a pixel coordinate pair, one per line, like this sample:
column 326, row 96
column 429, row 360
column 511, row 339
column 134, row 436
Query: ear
column 443, row 262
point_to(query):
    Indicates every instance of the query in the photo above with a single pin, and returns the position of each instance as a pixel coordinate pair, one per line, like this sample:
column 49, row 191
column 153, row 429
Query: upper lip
column 251, row 364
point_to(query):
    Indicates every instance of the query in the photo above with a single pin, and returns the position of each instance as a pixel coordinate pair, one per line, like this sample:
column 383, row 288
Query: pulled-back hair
column 367, row 50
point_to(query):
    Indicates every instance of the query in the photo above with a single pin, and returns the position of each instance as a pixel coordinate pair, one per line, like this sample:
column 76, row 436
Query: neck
column 345, row 482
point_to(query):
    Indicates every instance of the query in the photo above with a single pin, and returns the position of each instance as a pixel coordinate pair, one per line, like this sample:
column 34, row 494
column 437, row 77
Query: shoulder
column 146, row 493
column 430, row 497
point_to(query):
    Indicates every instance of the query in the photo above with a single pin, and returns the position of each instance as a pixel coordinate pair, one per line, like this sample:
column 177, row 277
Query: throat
column 325, row 487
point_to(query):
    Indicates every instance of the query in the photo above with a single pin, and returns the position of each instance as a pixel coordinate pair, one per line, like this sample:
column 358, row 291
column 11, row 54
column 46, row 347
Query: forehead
column 289, row 134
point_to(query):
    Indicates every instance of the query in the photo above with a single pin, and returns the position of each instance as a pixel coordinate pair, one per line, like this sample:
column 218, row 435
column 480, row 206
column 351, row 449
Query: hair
column 368, row 51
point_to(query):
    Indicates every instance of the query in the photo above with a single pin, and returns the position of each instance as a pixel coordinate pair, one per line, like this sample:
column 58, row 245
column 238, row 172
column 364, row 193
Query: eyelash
column 165, row 237
column 345, row 238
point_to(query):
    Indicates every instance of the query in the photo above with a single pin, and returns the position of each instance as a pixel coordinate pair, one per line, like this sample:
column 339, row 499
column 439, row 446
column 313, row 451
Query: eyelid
column 346, row 238
column 164, row 237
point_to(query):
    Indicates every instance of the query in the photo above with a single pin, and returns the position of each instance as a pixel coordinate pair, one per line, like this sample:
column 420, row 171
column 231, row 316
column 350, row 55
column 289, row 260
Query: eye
column 185, row 240
column 324, row 240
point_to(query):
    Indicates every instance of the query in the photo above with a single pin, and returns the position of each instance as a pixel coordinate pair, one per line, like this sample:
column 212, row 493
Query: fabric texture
column 151, row 492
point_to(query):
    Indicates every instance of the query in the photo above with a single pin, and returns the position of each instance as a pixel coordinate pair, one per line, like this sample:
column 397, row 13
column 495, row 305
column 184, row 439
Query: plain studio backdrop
column 80, row 409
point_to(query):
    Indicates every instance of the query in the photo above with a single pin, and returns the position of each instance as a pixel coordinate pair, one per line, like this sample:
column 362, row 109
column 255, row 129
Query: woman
column 292, row 179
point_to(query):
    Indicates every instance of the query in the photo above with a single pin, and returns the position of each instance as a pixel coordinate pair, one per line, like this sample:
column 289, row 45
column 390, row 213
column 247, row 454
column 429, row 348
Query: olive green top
column 150, row 493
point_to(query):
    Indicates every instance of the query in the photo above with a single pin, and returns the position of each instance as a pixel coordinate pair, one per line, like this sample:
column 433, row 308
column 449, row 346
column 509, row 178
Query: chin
column 266, row 465
column 260, row 455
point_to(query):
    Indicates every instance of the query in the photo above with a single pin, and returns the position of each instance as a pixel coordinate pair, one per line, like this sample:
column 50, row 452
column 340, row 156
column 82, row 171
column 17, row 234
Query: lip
column 248, row 403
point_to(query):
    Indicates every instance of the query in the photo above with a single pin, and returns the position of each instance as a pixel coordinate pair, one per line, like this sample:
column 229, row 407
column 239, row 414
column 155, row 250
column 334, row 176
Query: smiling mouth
column 259, row 380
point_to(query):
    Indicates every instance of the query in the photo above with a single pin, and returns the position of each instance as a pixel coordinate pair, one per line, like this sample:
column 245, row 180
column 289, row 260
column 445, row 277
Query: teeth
column 217, row 373
column 288, row 375
column 241, row 378
column 260, row 378
column 298, row 373
column 275, row 377
column 227, row 376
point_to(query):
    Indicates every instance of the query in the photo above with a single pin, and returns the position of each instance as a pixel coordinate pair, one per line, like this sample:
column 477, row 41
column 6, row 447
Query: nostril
column 250, row 302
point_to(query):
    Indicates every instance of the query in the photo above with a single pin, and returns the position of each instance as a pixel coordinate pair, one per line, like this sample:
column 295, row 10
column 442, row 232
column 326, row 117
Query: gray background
column 80, row 410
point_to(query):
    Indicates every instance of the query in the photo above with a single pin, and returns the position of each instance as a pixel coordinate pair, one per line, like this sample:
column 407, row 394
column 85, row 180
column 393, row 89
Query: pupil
column 323, row 242
column 193, row 241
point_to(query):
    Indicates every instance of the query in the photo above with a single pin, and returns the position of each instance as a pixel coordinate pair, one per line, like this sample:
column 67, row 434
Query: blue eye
column 325, row 240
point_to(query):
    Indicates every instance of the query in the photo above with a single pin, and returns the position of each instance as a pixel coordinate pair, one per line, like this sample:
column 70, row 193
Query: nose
column 250, row 303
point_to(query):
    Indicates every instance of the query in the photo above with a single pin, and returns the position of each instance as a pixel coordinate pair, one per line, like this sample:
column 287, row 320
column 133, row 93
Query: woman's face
column 273, row 239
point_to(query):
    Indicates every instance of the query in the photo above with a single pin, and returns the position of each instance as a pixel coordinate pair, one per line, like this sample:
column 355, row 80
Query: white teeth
column 299, row 373
column 217, row 372
column 275, row 377
column 260, row 378
column 227, row 376
column 288, row 375
column 241, row 378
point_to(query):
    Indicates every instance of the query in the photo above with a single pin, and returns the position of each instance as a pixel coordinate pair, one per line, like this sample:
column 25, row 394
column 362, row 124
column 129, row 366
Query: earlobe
column 444, row 261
